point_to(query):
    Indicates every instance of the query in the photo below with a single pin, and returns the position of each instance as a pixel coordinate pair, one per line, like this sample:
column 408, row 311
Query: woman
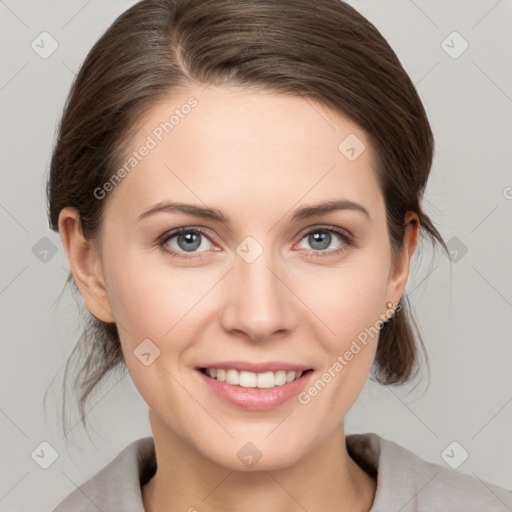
column 237, row 186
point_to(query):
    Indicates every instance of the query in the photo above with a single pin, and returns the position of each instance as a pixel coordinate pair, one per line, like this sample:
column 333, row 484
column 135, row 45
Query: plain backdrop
column 464, row 314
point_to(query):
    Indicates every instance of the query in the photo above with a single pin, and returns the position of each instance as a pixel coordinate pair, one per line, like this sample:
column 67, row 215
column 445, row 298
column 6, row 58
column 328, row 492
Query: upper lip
column 247, row 366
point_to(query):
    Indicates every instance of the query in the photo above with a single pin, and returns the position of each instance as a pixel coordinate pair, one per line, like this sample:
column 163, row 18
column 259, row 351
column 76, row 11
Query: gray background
column 465, row 315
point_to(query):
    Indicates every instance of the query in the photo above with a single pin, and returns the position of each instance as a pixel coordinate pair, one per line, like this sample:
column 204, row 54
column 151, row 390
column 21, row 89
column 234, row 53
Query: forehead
column 247, row 147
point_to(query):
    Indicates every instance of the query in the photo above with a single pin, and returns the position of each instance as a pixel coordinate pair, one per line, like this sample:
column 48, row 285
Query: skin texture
column 256, row 156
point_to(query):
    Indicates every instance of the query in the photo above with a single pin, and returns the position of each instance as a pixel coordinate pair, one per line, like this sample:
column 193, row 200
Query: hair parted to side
column 324, row 50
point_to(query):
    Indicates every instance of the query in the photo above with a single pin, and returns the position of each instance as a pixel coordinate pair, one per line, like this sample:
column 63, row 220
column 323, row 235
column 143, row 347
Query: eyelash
column 345, row 238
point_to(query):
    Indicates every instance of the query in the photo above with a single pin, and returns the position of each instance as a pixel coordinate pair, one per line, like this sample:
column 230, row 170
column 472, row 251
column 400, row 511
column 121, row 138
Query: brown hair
column 324, row 50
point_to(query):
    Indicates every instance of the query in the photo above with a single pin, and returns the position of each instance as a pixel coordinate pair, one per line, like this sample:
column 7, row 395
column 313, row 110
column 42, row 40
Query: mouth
column 254, row 386
column 247, row 379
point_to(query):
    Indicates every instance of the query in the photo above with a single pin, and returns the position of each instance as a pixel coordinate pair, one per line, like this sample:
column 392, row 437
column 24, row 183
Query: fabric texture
column 405, row 482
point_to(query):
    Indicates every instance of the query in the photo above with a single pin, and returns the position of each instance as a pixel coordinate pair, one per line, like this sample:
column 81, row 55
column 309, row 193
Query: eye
column 321, row 239
column 186, row 242
column 181, row 241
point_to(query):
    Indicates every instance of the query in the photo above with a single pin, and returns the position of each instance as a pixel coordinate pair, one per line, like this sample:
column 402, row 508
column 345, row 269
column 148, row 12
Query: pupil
column 192, row 241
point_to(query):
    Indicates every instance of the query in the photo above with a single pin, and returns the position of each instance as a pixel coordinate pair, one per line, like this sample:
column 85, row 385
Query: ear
column 85, row 265
column 400, row 269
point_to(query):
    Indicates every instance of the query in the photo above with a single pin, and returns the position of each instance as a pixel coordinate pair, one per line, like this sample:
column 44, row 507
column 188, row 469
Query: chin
column 255, row 456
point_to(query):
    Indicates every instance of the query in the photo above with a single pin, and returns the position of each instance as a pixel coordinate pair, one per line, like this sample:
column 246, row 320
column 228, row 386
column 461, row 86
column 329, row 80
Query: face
column 248, row 276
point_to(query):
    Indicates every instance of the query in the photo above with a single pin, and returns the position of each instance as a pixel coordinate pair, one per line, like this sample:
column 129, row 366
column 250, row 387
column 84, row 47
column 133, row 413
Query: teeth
column 232, row 377
column 248, row 379
column 253, row 380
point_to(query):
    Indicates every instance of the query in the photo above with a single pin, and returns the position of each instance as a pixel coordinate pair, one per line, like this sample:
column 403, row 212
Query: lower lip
column 256, row 399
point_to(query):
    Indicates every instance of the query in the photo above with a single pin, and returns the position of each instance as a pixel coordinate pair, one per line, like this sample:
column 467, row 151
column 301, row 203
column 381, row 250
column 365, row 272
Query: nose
column 258, row 304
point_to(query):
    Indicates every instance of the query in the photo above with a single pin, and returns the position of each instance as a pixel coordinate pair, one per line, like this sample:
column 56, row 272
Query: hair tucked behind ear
column 322, row 49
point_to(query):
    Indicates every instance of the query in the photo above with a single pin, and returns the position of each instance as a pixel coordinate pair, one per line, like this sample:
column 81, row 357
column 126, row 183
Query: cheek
column 147, row 304
column 135, row 301
column 363, row 299
column 143, row 299
column 152, row 300
column 352, row 308
column 146, row 298
column 348, row 299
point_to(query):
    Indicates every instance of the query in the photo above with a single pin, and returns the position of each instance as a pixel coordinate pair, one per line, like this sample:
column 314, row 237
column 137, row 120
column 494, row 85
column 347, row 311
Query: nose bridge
column 259, row 304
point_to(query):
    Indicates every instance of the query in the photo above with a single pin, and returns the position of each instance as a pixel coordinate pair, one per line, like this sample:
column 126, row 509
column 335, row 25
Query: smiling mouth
column 253, row 380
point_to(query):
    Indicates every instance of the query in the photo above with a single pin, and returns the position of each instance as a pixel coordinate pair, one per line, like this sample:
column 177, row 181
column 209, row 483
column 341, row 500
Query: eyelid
column 183, row 229
column 327, row 227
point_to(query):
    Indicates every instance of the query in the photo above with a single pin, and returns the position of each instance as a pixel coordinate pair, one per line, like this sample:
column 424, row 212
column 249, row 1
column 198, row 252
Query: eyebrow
column 304, row 212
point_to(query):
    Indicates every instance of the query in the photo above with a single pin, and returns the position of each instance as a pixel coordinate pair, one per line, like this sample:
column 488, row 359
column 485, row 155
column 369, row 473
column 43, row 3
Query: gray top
column 405, row 482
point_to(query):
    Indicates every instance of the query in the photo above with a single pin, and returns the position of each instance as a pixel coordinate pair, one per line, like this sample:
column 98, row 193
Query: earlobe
column 400, row 271
column 85, row 265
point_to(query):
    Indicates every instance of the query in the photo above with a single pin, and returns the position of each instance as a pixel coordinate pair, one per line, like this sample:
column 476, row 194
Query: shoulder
column 118, row 485
column 408, row 483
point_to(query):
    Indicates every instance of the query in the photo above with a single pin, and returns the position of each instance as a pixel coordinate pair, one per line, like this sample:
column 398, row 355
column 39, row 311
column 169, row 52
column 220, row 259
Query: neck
column 326, row 479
